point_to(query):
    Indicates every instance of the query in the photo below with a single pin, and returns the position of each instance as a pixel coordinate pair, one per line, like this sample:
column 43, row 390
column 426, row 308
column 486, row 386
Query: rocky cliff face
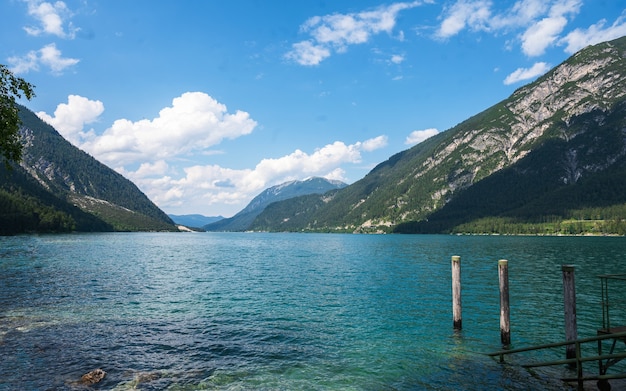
column 590, row 81
column 570, row 106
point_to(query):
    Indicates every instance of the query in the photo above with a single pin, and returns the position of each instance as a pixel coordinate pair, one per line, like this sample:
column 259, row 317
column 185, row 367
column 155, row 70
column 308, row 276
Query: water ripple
column 276, row 312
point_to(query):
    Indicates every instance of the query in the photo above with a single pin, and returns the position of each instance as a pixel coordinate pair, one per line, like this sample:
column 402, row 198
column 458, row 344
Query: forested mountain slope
column 57, row 188
column 554, row 148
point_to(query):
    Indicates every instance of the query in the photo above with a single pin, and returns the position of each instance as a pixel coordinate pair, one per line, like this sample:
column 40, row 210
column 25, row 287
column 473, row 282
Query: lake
column 260, row 311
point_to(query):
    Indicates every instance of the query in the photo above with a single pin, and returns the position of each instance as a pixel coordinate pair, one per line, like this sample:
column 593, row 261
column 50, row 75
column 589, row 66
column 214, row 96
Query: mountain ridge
column 565, row 105
column 194, row 220
column 244, row 218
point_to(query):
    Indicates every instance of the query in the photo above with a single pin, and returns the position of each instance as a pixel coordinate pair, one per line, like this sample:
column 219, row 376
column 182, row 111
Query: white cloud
column 527, row 73
column 417, row 136
column 523, row 12
column 565, row 7
column 545, row 32
column 160, row 167
column 477, row 15
column 152, row 153
column 465, row 13
column 24, row 64
column 300, row 163
column 70, row 118
column 542, row 34
column 373, row 143
column 397, row 59
column 307, row 53
column 48, row 56
column 212, row 186
column 542, row 21
column 336, row 32
column 226, row 189
column 338, row 174
column 194, row 122
column 51, row 17
column 596, row 33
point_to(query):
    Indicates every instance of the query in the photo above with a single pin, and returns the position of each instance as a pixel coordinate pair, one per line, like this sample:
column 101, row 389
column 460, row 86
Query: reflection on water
column 283, row 311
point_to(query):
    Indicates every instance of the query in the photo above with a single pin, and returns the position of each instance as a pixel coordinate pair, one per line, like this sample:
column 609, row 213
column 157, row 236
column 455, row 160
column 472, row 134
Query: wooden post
column 569, row 298
column 505, row 313
column 456, row 292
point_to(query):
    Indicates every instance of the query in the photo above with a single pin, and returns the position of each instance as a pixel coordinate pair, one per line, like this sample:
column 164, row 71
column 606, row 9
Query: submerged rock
column 139, row 378
column 146, row 377
column 92, row 377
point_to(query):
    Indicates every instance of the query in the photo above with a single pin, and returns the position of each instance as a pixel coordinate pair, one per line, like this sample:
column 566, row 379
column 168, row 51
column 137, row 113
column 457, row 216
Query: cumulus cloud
column 336, row 32
column 194, row 122
column 51, row 17
column 150, row 169
column 70, row 118
column 539, row 36
column 545, row 32
column 48, row 56
column 152, row 153
column 417, row 136
column 231, row 189
column 373, row 143
column 596, row 33
column 521, row 74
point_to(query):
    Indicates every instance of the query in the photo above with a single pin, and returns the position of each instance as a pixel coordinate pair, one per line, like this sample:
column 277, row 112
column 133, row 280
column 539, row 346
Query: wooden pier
column 614, row 335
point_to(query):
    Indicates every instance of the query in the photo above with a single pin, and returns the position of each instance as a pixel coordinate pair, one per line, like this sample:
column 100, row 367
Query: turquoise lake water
column 235, row 311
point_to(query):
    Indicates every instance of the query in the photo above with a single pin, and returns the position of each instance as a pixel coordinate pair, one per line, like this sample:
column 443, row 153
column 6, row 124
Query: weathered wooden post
column 569, row 298
column 456, row 292
column 505, row 313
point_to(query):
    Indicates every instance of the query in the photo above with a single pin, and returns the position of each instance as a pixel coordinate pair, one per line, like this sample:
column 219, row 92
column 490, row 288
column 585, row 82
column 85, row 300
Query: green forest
column 59, row 188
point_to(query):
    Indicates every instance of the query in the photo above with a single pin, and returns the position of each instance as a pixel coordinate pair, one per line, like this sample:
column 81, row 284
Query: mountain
column 552, row 152
column 59, row 188
column 242, row 220
column 194, row 220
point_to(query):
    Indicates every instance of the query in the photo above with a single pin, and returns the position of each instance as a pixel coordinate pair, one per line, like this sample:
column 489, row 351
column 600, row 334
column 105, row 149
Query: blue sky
column 204, row 104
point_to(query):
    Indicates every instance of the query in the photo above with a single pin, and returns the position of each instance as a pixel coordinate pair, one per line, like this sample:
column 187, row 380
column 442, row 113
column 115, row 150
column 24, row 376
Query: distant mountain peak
column 242, row 220
column 194, row 220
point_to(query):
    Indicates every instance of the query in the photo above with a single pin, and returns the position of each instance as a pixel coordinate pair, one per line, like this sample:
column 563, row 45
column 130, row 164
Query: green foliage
column 609, row 220
column 25, row 206
column 11, row 88
column 290, row 215
column 20, row 213
column 122, row 219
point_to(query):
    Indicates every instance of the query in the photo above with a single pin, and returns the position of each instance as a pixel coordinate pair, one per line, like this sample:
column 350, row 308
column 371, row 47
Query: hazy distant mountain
column 59, row 188
column 242, row 220
column 194, row 220
column 550, row 158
